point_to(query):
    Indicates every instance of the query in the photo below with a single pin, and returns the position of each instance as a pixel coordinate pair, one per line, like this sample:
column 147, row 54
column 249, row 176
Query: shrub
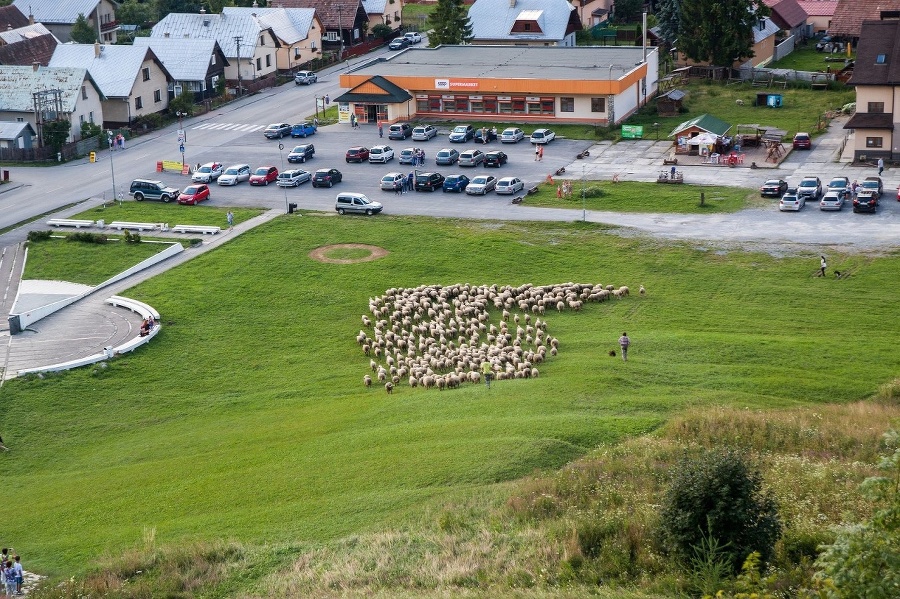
column 98, row 238
column 35, row 236
column 715, row 500
column 132, row 237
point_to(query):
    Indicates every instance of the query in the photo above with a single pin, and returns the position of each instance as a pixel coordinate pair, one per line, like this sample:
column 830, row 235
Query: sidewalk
column 89, row 325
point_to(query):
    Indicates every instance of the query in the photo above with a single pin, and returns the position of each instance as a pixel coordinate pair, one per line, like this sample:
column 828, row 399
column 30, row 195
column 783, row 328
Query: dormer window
column 881, row 59
column 527, row 26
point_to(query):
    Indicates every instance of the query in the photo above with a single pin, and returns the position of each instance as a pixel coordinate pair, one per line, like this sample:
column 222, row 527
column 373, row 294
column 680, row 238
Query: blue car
column 456, row 183
column 303, row 129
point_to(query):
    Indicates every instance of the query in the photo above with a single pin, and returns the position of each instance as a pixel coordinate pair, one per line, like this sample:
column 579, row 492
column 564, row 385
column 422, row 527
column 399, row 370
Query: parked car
column 481, row 184
column 293, row 178
column 456, row 183
column 398, row 43
column 234, row 174
column 424, row 132
column 305, row 77
column 413, row 37
column 841, row 184
column 446, row 156
column 873, row 184
column 383, row 154
column 773, row 187
column 866, row 200
column 810, row 187
column 407, row 156
column 302, row 153
column 512, row 135
column 392, row 181
column 194, row 194
column 326, row 177
column 145, row 189
column 509, row 185
column 357, row 154
column 356, row 203
column 802, row 141
column 264, row 175
column 482, row 132
column 304, row 129
column 496, row 158
column 429, row 181
column 832, row 200
column 399, row 131
column 462, row 133
column 542, row 136
column 208, row 172
column 471, row 158
column 791, row 200
column 277, row 130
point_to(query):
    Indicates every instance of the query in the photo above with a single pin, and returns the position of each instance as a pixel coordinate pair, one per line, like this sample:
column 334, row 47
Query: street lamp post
column 181, row 132
column 287, row 208
column 583, row 201
column 340, row 10
column 656, row 130
column 112, row 170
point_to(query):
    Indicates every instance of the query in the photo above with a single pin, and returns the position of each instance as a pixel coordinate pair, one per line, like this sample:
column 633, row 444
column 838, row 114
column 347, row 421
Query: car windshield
column 274, row 127
column 460, row 129
column 537, row 134
column 808, row 183
column 443, row 153
column 205, row 169
column 191, row 190
column 870, row 184
column 509, row 132
column 261, row 171
column 231, row 171
column 838, row 183
column 774, row 182
column 479, row 180
column 802, row 137
column 388, row 178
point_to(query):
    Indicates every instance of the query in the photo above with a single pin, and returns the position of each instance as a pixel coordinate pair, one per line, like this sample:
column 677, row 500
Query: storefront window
column 490, row 105
column 567, row 104
column 449, row 105
column 462, row 103
column 422, row 105
column 534, row 107
column 505, row 107
column 518, row 105
column 598, row 104
column 477, row 106
column 434, row 104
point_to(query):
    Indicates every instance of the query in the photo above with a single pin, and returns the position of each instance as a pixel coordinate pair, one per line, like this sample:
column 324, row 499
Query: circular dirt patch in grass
column 348, row 253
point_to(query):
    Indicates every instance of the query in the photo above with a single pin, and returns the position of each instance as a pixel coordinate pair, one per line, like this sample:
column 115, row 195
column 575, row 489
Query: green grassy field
column 155, row 212
column 630, row 196
column 808, row 59
column 246, row 419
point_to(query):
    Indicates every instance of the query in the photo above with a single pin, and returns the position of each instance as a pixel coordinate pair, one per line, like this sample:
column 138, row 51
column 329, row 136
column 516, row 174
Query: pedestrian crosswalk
column 229, row 127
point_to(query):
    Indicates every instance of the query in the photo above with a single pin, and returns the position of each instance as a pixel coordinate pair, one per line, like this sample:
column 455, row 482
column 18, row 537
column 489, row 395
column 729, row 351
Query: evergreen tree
column 83, row 32
column 450, row 21
column 627, row 11
column 669, row 16
column 719, row 32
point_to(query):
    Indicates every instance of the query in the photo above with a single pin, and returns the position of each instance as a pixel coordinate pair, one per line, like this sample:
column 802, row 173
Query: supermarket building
column 601, row 85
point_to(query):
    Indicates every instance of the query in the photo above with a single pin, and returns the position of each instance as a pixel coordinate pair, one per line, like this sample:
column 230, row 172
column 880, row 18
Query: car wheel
column 330, row 184
column 368, row 213
column 139, row 197
column 166, row 199
column 340, row 211
column 266, row 183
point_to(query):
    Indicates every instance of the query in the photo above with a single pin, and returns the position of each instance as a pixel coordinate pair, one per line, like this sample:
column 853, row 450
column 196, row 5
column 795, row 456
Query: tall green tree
column 719, row 32
column 669, row 17
column 627, row 11
column 132, row 12
column 450, row 23
column 83, row 32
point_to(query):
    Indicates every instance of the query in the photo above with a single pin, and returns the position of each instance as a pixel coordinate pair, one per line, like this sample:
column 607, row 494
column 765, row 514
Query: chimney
column 512, row 3
column 166, row 34
column 35, row 66
column 255, row 4
column 97, row 49
column 202, row 11
column 30, row 19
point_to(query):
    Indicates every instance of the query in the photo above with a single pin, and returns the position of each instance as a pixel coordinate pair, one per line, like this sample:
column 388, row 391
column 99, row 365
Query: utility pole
column 237, row 41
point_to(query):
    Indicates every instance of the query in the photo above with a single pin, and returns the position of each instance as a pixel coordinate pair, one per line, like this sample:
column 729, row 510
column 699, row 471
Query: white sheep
column 389, row 387
column 367, row 381
column 642, row 290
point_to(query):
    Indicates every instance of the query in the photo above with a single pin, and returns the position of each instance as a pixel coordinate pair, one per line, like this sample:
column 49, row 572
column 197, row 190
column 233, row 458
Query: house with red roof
column 819, row 14
column 789, row 16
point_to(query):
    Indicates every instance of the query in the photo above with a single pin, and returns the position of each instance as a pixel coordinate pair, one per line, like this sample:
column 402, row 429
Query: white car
column 832, row 200
column 392, row 181
column 383, row 154
column 512, row 135
column 481, row 184
column 542, row 136
column 424, row 132
column 292, row 178
column 413, row 37
column 509, row 185
column 791, row 201
column 207, row 173
column 234, row 174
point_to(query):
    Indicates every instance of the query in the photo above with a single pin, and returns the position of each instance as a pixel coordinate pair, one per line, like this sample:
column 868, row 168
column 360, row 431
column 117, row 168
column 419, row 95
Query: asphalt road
column 233, row 134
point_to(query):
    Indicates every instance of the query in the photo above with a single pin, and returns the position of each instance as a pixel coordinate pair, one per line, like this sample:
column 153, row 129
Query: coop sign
column 440, row 84
column 632, row 131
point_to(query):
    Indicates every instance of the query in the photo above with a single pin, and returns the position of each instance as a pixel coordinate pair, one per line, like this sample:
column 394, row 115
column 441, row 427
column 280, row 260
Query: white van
column 356, row 202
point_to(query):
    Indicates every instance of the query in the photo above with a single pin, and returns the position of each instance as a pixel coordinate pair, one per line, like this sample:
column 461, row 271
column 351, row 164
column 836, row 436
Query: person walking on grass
column 230, row 218
column 487, row 372
column 822, row 266
column 624, row 342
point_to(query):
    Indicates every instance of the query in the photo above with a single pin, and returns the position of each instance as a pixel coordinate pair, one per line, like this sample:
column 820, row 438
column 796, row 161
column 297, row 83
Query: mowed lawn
column 246, row 418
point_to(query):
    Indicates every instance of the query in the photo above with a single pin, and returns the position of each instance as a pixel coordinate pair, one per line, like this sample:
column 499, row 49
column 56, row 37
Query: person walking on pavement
column 540, row 153
column 380, row 129
column 624, row 342
column 880, row 166
column 822, row 266
column 411, row 181
column 537, row 150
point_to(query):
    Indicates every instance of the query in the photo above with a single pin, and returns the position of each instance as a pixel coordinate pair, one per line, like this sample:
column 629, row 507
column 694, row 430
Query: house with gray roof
column 248, row 44
column 16, row 135
column 132, row 79
column 196, row 66
column 37, row 95
column 298, row 29
column 524, row 22
column 59, row 16
column 383, row 12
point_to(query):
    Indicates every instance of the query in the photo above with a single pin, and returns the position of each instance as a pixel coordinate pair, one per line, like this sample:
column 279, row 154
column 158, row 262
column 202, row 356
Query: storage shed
column 669, row 104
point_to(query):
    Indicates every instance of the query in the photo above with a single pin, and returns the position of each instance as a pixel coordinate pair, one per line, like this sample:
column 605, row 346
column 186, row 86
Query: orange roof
column 849, row 15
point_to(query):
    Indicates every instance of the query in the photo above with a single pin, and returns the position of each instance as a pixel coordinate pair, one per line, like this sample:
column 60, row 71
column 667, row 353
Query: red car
column 194, row 194
column 264, row 175
column 802, row 141
column 357, row 154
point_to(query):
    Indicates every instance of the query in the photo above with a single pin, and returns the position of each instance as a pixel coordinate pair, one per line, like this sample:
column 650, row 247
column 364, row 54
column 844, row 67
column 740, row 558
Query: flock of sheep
column 437, row 336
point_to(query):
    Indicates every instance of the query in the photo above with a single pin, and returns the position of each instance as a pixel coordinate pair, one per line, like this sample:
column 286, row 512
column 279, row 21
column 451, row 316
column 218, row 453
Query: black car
column 398, row 44
column 773, row 187
column 495, row 158
column 302, row 153
column 429, row 181
column 326, row 177
column 866, row 201
column 873, row 184
column 488, row 132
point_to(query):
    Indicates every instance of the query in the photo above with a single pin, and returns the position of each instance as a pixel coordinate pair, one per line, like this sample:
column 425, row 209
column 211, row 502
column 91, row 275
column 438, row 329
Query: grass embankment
column 154, row 212
column 630, row 196
column 86, row 263
column 807, row 58
column 246, row 420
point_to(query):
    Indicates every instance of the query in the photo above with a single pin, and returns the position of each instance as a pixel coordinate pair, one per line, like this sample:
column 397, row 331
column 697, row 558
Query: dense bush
column 88, row 238
column 39, row 235
column 132, row 237
column 716, row 496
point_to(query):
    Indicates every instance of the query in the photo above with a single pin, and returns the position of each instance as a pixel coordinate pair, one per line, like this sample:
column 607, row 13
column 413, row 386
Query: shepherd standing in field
column 624, row 342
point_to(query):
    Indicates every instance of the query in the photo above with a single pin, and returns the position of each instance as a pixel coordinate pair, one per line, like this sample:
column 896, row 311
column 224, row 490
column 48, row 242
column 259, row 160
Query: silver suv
column 144, row 189
column 305, row 77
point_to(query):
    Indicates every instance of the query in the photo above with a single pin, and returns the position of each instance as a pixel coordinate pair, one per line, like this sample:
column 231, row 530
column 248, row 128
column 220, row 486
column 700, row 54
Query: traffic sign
column 181, row 136
column 181, row 148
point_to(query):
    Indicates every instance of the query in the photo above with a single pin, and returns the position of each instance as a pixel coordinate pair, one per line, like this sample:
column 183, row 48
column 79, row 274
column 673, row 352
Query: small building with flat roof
column 600, row 85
